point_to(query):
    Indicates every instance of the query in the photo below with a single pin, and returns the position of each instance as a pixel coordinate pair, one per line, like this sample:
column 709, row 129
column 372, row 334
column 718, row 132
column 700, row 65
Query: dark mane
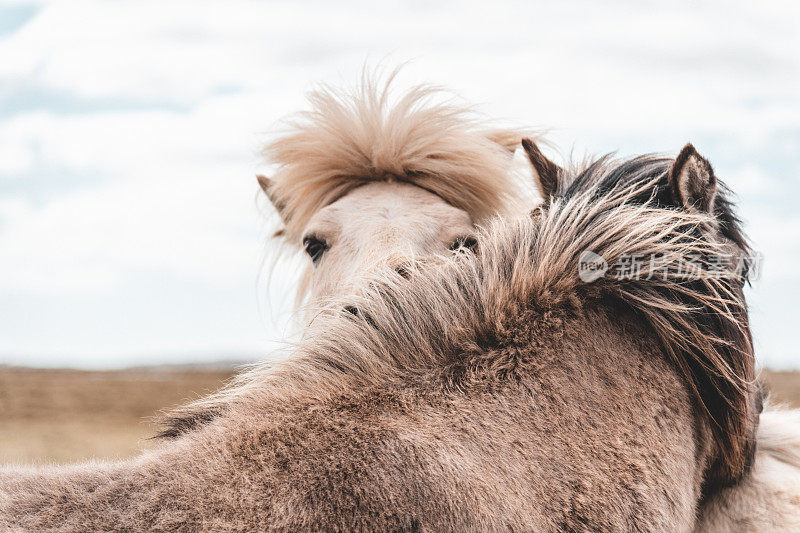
column 603, row 176
column 721, row 373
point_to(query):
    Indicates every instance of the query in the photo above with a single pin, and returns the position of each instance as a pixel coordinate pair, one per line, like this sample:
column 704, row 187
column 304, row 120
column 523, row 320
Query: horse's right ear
column 266, row 186
column 692, row 180
column 545, row 172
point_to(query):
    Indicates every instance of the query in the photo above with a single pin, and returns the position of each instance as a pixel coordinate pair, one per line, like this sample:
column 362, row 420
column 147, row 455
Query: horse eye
column 464, row 243
column 315, row 247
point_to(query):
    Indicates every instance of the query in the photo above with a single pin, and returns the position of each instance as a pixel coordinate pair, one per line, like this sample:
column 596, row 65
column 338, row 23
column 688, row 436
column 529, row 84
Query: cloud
column 13, row 16
column 129, row 133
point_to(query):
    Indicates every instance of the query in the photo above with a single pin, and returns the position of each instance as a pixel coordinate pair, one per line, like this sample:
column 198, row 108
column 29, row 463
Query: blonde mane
column 457, row 313
column 349, row 138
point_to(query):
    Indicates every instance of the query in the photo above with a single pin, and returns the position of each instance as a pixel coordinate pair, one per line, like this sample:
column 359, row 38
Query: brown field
column 68, row 415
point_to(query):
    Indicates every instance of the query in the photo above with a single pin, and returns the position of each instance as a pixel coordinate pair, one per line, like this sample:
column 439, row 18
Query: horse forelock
column 350, row 138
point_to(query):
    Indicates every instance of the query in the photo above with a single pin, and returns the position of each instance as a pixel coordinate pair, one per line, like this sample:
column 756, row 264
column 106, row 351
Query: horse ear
column 545, row 172
column 266, row 186
column 692, row 180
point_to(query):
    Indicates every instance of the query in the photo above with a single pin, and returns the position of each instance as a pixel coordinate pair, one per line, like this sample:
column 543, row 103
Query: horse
column 357, row 186
column 364, row 181
column 486, row 390
column 768, row 497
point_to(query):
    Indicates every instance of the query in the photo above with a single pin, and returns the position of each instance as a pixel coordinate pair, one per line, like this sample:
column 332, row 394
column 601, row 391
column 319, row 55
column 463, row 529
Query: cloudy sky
column 130, row 228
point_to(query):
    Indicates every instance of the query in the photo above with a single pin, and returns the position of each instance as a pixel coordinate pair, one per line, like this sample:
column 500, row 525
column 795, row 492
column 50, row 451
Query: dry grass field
column 62, row 416
column 783, row 387
column 68, row 415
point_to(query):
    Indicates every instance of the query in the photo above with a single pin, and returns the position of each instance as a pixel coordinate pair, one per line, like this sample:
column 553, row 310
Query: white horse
column 360, row 184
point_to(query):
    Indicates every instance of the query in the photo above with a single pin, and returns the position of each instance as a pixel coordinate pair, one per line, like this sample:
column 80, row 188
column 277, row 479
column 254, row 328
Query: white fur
column 385, row 181
column 769, row 497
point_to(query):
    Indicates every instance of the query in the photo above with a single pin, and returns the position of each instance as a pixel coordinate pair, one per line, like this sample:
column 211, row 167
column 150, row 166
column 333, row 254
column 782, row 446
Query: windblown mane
column 459, row 314
column 701, row 320
column 350, row 138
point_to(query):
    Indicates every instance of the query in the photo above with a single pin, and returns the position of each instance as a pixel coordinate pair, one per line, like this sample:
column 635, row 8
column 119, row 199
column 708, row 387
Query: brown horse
column 767, row 498
column 485, row 391
column 373, row 190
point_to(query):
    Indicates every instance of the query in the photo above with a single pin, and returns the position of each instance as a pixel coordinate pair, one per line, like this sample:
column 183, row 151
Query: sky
column 131, row 229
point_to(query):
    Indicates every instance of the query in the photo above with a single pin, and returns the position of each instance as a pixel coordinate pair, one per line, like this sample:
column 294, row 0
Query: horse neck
column 585, row 394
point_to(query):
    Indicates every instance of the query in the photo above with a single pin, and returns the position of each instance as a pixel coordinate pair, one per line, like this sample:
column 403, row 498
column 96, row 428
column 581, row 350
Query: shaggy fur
column 765, row 499
column 711, row 343
column 348, row 139
column 486, row 392
column 702, row 323
column 420, row 166
column 769, row 498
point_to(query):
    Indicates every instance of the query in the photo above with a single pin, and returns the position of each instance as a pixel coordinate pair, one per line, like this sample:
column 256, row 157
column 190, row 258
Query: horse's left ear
column 266, row 186
column 692, row 180
column 545, row 171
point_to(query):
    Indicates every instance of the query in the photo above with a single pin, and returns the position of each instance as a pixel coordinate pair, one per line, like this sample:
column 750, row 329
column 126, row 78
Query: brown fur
column 717, row 353
column 545, row 172
column 692, row 180
column 485, row 392
column 523, row 449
